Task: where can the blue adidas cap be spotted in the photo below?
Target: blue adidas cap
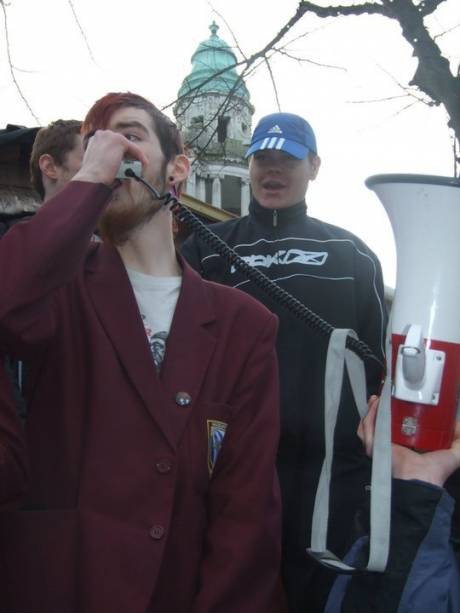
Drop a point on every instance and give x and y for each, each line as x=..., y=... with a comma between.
x=284, y=132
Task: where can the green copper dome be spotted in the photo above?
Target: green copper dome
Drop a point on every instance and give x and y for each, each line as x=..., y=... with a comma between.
x=213, y=69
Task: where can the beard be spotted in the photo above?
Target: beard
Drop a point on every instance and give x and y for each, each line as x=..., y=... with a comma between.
x=130, y=207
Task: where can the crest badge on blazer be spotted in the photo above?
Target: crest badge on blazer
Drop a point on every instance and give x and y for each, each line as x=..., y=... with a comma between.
x=216, y=434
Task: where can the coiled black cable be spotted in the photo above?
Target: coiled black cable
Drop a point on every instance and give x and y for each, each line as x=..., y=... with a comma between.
x=272, y=289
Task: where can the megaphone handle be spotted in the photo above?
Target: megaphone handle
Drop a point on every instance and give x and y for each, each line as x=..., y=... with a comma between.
x=337, y=357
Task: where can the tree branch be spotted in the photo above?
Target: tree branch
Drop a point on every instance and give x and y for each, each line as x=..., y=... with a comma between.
x=433, y=75
x=235, y=40
x=10, y=64
x=428, y=6
x=305, y=60
x=247, y=62
x=272, y=78
x=369, y=8
x=82, y=32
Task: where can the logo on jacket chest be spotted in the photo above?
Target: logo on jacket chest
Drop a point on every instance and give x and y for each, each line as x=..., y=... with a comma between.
x=285, y=257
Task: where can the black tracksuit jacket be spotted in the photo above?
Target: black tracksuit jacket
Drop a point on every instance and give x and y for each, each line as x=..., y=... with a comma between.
x=335, y=274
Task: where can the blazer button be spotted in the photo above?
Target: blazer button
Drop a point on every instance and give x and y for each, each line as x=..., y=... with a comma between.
x=183, y=399
x=163, y=466
x=157, y=532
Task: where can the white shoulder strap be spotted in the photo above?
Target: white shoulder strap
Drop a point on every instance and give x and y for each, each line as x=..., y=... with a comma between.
x=338, y=357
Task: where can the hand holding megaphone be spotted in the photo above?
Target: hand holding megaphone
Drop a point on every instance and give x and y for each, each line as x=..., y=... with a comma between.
x=104, y=154
x=431, y=467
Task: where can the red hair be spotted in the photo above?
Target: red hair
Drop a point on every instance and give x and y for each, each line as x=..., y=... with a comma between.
x=100, y=113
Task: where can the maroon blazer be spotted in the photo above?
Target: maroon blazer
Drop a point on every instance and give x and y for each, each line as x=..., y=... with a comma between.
x=13, y=461
x=124, y=514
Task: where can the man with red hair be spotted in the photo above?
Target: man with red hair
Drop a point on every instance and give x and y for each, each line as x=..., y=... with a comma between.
x=153, y=399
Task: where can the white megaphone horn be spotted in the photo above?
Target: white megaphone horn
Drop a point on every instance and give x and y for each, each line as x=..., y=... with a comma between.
x=424, y=328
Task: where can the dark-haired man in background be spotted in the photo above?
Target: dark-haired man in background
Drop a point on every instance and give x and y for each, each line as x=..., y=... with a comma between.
x=56, y=156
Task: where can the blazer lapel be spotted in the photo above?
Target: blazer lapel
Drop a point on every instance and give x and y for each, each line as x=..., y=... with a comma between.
x=189, y=346
x=114, y=301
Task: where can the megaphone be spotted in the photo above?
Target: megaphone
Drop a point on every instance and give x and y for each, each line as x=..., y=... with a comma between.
x=424, y=326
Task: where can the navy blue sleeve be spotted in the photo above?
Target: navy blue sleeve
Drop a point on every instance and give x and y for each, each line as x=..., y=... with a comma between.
x=423, y=571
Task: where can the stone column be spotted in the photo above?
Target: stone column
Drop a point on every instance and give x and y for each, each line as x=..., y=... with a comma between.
x=216, y=193
x=200, y=189
x=191, y=184
x=245, y=197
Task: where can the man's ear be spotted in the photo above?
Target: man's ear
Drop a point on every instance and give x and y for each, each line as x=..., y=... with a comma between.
x=315, y=163
x=48, y=166
x=178, y=169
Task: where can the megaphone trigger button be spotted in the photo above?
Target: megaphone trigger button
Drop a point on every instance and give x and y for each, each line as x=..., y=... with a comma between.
x=410, y=351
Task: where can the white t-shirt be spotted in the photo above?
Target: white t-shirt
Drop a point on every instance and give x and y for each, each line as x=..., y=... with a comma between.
x=156, y=298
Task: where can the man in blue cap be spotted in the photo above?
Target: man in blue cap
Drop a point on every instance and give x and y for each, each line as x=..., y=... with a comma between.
x=336, y=275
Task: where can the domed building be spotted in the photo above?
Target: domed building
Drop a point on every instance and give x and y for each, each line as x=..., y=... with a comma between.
x=214, y=113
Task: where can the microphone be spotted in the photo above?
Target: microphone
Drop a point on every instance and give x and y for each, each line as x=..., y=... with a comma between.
x=129, y=169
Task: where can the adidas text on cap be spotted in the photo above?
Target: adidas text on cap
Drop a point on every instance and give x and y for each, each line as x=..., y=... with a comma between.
x=284, y=132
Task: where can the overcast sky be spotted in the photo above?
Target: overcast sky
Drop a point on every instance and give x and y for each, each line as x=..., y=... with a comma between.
x=349, y=89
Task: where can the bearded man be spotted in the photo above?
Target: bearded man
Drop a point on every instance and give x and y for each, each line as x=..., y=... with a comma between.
x=153, y=399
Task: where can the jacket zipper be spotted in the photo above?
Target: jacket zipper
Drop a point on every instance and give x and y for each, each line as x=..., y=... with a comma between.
x=275, y=218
